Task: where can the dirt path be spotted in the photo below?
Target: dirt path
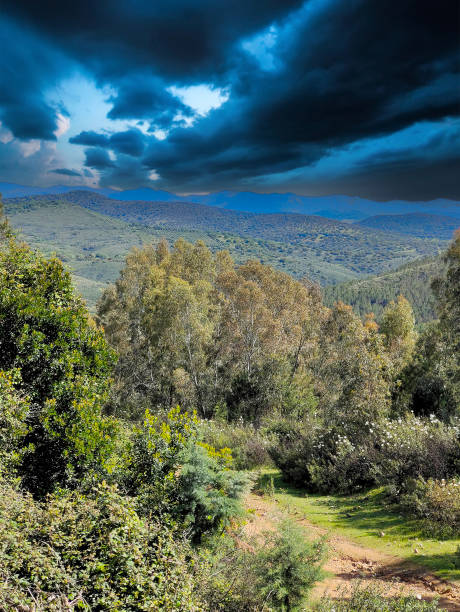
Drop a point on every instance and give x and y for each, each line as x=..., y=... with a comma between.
x=349, y=563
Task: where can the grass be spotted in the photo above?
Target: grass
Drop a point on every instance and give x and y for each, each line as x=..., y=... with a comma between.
x=362, y=518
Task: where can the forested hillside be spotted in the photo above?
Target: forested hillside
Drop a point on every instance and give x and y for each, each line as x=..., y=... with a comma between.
x=92, y=234
x=127, y=443
x=415, y=224
x=373, y=294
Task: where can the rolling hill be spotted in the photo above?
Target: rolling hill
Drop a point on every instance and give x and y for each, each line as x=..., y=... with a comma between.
x=372, y=294
x=93, y=233
x=414, y=224
x=334, y=207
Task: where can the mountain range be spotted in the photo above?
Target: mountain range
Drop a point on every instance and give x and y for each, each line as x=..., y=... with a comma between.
x=92, y=232
x=335, y=207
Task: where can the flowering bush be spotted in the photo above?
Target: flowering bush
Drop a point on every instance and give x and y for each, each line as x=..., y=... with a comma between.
x=438, y=503
x=321, y=458
x=391, y=452
x=412, y=447
x=171, y=472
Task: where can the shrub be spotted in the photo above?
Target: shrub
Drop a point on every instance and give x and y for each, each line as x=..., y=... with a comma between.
x=437, y=502
x=93, y=551
x=412, y=448
x=322, y=459
x=393, y=452
x=172, y=473
x=371, y=599
x=248, y=446
x=273, y=572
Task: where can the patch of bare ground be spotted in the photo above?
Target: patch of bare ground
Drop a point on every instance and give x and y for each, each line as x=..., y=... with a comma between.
x=349, y=564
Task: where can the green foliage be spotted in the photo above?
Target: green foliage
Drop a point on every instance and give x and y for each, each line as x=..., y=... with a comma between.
x=173, y=474
x=393, y=452
x=373, y=294
x=428, y=382
x=63, y=366
x=398, y=329
x=247, y=444
x=351, y=373
x=371, y=599
x=195, y=329
x=13, y=428
x=412, y=447
x=320, y=458
x=89, y=552
x=290, y=566
x=273, y=572
x=437, y=502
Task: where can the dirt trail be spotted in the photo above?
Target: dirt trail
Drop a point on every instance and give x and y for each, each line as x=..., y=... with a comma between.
x=349, y=563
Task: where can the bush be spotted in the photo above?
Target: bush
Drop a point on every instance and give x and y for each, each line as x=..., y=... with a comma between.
x=93, y=552
x=371, y=599
x=322, y=459
x=393, y=452
x=412, y=448
x=273, y=572
x=247, y=444
x=437, y=502
x=172, y=473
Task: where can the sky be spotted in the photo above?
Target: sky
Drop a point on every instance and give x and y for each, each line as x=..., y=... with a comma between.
x=315, y=97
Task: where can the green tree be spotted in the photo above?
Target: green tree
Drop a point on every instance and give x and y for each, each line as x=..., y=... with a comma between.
x=63, y=366
x=431, y=383
x=398, y=329
x=160, y=318
x=173, y=474
x=350, y=373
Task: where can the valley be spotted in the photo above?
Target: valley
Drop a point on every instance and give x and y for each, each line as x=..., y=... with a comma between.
x=92, y=234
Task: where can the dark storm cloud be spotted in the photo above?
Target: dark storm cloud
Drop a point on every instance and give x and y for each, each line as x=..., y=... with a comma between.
x=98, y=159
x=65, y=172
x=145, y=97
x=348, y=68
x=341, y=72
x=130, y=142
x=177, y=39
x=90, y=139
x=28, y=65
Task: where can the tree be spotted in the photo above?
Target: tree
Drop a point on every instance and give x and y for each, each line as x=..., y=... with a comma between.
x=399, y=337
x=62, y=366
x=350, y=373
x=431, y=383
x=160, y=317
x=447, y=291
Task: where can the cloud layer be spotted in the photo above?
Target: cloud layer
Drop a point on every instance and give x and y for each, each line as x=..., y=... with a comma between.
x=320, y=97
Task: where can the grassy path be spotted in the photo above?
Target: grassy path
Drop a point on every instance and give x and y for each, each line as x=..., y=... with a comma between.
x=368, y=543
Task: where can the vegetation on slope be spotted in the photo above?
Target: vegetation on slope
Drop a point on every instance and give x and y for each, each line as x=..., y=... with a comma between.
x=414, y=224
x=113, y=495
x=92, y=234
x=373, y=294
